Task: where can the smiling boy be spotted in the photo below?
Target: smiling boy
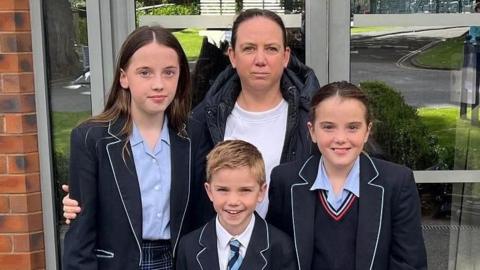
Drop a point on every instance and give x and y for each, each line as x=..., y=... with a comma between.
x=237, y=238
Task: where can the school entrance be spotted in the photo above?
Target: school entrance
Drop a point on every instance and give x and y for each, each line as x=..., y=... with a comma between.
x=419, y=57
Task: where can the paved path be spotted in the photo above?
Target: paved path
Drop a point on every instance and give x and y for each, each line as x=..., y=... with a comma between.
x=386, y=56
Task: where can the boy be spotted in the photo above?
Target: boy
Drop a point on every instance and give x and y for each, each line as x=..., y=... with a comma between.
x=237, y=238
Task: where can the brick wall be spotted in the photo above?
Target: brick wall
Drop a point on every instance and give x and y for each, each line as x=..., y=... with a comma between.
x=21, y=228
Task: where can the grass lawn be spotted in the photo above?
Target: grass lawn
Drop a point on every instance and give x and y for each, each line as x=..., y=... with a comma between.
x=62, y=124
x=359, y=30
x=191, y=42
x=456, y=133
x=447, y=54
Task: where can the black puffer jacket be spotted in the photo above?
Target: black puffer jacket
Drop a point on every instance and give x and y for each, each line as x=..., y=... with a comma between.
x=297, y=86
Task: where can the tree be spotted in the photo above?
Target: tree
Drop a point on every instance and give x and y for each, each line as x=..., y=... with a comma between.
x=62, y=59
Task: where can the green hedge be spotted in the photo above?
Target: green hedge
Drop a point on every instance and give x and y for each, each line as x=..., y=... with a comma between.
x=191, y=9
x=399, y=131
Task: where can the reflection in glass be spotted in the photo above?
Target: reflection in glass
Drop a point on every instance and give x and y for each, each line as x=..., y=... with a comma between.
x=423, y=86
x=411, y=6
x=68, y=83
x=451, y=224
x=422, y=74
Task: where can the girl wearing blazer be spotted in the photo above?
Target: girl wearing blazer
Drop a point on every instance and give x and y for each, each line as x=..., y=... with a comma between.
x=344, y=209
x=130, y=165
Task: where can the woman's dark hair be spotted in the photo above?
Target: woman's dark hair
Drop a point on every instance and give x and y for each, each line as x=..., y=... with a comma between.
x=341, y=89
x=252, y=13
x=119, y=99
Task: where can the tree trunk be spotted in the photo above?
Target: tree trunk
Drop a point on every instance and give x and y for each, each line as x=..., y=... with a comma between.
x=63, y=62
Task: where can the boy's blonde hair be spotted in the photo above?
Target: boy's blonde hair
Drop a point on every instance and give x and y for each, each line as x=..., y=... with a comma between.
x=232, y=154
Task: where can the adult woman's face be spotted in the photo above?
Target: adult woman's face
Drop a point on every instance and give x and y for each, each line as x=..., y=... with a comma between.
x=259, y=55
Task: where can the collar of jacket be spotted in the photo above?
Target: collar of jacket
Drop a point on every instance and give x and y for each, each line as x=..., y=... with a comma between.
x=115, y=128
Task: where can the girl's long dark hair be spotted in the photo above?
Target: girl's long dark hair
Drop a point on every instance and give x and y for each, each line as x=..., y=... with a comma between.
x=119, y=99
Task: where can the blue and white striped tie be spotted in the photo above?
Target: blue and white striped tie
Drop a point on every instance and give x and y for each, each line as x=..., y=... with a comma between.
x=234, y=260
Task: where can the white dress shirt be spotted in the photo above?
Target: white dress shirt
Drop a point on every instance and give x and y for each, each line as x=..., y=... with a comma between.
x=223, y=241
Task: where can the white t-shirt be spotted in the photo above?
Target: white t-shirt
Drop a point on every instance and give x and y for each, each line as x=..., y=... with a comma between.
x=266, y=130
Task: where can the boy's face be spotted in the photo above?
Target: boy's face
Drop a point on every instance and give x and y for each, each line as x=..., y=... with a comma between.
x=234, y=194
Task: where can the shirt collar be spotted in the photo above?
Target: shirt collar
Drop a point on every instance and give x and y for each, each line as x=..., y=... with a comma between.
x=352, y=183
x=224, y=237
x=137, y=138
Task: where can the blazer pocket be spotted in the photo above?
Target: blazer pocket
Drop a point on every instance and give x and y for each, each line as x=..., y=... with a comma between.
x=101, y=253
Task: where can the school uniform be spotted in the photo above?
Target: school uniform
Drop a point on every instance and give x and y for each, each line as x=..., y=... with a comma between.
x=382, y=229
x=108, y=233
x=268, y=249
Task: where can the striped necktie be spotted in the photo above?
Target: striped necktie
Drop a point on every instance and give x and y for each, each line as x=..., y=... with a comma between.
x=234, y=260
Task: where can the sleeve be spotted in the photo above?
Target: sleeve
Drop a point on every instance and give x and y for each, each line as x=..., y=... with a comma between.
x=181, y=260
x=80, y=239
x=276, y=205
x=408, y=247
x=201, y=207
x=289, y=257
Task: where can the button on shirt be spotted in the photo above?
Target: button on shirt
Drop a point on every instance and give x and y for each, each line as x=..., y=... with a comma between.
x=352, y=184
x=223, y=241
x=154, y=177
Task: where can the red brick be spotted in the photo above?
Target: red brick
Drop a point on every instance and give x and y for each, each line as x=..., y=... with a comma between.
x=27, y=163
x=20, y=123
x=13, y=123
x=16, y=62
x=33, y=182
x=14, y=5
x=3, y=164
x=20, y=223
x=18, y=144
x=15, y=261
x=13, y=223
x=38, y=260
x=19, y=183
x=4, y=204
x=28, y=242
x=2, y=124
x=15, y=42
x=11, y=21
x=17, y=103
x=18, y=83
x=25, y=203
x=5, y=243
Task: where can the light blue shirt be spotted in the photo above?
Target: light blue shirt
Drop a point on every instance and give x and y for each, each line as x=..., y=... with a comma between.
x=154, y=176
x=352, y=184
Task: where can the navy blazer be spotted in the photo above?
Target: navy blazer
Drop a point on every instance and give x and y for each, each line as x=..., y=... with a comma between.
x=389, y=233
x=268, y=249
x=107, y=234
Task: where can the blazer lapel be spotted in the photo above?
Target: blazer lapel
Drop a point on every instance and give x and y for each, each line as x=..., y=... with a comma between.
x=207, y=257
x=303, y=211
x=370, y=214
x=180, y=184
x=258, y=245
x=126, y=179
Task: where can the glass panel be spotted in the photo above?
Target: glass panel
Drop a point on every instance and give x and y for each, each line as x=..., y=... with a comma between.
x=68, y=83
x=206, y=47
x=424, y=91
x=424, y=88
x=411, y=6
x=451, y=225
